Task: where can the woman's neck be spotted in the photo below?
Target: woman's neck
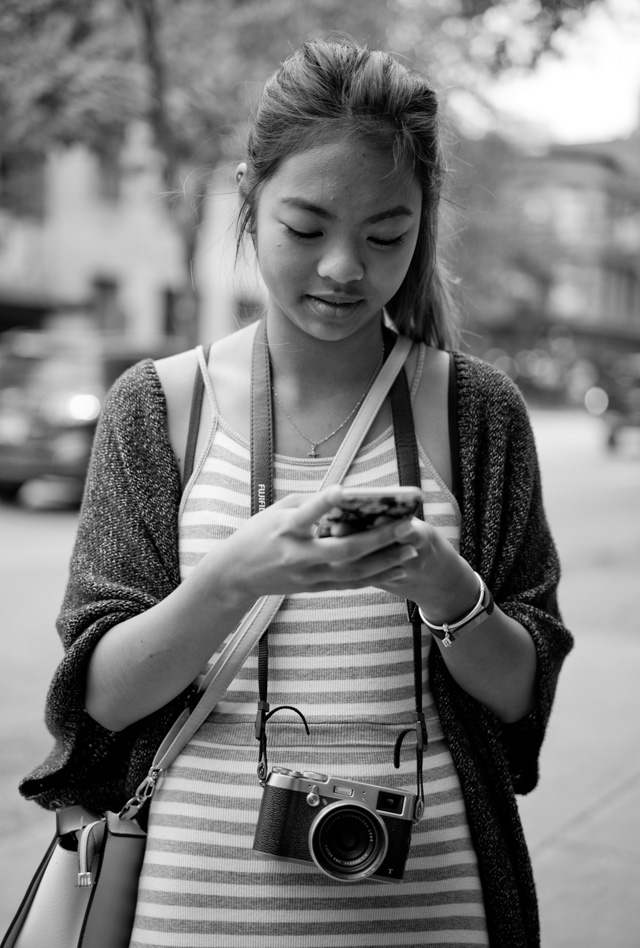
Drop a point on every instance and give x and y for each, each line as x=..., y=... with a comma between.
x=309, y=369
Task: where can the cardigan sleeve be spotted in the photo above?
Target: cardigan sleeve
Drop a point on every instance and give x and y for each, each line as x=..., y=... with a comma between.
x=124, y=561
x=506, y=538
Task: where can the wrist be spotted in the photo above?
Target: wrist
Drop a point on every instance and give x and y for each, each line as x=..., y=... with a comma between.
x=450, y=599
x=219, y=589
x=449, y=631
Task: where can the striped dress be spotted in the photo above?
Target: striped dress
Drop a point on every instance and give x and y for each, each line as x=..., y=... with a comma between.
x=345, y=660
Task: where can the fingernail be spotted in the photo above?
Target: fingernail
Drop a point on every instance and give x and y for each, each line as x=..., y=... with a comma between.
x=403, y=529
x=408, y=553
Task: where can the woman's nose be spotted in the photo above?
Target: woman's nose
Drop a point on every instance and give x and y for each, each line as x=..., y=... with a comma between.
x=341, y=263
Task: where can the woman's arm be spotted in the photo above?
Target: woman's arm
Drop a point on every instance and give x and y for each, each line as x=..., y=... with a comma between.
x=136, y=637
x=494, y=662
x=509, y=662
x=124, y=585
x=143, y=663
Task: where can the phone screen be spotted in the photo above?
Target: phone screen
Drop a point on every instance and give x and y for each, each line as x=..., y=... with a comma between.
x=361, y=509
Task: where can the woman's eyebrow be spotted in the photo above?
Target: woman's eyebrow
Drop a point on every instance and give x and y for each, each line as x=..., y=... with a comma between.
x=400, y=210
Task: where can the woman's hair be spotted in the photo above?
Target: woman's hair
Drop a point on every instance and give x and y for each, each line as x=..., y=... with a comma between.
x=328, y=90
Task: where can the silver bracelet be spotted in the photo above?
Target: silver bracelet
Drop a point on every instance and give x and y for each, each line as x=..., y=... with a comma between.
x=480, y=611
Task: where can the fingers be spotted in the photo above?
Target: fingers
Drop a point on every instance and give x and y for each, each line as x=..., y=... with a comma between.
x=298, y=560
x=378, y=567
x=309, y=509
x=306, y=510
x=354, y=546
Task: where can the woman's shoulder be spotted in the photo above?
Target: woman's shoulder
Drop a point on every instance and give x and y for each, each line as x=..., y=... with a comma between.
x=228, y=366
x=491, y=411
x=132, y=428
x=176, y=372
x=482, y=387
x=136, y=391
x=175, y=376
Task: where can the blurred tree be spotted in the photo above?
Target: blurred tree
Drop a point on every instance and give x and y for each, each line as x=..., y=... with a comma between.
x=80, y=71
x=500, y=275
x=461, y=39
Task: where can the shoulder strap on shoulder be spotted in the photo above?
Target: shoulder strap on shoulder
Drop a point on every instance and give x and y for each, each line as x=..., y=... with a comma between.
x=454, y=438
x=194, y=420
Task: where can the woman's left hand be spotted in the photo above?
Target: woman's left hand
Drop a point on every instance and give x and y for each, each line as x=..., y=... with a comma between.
x=497, y=663
x=438, y=579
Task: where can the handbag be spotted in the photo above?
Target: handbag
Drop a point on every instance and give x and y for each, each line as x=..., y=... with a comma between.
x=84, y=892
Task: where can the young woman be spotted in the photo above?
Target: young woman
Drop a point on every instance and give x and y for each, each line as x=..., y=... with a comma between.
x=340, y=190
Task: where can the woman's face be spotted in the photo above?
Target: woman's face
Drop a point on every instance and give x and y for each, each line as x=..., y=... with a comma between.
x=336, y=228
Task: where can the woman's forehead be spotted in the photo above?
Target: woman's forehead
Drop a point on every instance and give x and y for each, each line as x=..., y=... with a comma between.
x=330, y=176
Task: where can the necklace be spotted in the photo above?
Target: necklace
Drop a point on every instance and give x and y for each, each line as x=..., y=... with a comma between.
x=315, y=444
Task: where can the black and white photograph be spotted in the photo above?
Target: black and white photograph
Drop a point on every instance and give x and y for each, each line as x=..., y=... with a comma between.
x=320, y=473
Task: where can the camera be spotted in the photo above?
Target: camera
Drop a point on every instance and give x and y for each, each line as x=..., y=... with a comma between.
x=351, y=831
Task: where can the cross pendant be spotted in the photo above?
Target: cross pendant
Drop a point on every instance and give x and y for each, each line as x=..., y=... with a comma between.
x=313, y=453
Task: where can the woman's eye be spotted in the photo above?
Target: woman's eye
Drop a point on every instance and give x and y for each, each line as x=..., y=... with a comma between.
x=389, y=242
x=300, y=234
x=311, y=235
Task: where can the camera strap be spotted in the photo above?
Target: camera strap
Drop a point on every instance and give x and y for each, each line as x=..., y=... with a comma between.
x=262, y=495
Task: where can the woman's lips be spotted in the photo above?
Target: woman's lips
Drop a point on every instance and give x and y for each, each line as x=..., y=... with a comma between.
x=333, y=306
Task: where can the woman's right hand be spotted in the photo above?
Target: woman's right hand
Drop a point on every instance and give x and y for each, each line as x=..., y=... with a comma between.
x=277, y=551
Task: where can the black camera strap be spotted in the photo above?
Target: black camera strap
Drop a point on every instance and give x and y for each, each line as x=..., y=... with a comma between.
x=262, y=496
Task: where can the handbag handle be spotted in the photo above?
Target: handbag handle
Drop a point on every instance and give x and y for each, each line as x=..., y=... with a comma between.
x=214, y=684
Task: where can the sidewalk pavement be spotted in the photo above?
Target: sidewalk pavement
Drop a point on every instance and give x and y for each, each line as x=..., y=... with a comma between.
x=582, y=822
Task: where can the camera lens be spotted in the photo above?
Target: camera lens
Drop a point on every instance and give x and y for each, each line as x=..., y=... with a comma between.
x=348, y=842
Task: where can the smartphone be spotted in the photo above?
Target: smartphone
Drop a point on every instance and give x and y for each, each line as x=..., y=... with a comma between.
x=364, y=507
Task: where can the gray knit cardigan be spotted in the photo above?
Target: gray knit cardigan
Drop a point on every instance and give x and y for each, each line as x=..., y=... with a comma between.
x=125, y=560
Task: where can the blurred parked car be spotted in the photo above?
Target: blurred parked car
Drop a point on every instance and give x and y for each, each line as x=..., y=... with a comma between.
x=52, y=388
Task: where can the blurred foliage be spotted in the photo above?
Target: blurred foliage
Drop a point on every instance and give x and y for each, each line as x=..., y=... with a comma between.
x=506, y=268
x=80, y=71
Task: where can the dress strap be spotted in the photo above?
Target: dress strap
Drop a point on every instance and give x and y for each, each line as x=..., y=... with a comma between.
x=202, y=353
x=201, y=383
x=417, y=375
x=452, y=413
x=454, y=435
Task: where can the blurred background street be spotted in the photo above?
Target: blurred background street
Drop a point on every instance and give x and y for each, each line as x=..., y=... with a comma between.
x=581, y=822
x=122, y=124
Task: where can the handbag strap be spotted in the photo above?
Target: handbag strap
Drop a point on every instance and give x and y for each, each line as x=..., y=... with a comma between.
x=228, y=662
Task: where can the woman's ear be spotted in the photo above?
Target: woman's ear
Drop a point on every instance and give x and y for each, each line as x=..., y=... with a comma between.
x=240, y=177
x=246, y=207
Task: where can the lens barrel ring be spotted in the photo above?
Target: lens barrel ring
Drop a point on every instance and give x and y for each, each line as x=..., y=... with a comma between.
x=348, y=816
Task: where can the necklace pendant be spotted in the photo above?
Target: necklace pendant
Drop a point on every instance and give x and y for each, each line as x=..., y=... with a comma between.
x=313, y=453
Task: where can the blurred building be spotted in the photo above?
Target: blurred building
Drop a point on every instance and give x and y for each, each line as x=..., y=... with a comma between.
x=90, y=242
x=551, y=261
x=581, y=210
x=550, y=249
x=230, y=288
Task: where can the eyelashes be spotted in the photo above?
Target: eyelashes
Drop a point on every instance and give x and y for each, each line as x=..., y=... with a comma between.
x=377, y=241
x=298, y=234
x=393, y=242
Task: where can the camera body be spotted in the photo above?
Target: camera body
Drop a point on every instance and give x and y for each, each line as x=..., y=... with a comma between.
x=351, y=831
